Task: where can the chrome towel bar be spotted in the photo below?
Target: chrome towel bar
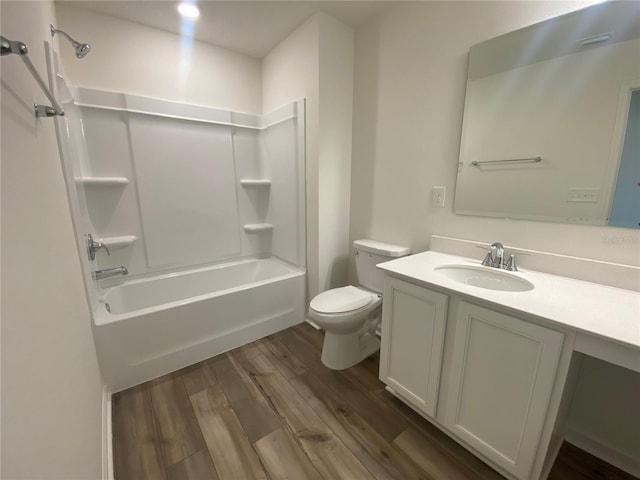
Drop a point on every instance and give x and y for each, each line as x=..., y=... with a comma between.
x=19, y=48
x=513, y=160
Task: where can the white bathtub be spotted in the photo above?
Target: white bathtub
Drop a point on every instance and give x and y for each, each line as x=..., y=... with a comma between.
x=163, y=323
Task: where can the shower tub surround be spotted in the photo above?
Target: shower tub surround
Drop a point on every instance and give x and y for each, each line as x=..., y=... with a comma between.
x=205, y=208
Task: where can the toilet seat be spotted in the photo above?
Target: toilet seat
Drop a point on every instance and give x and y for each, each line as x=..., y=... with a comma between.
x=350, y=306
x=341, y=300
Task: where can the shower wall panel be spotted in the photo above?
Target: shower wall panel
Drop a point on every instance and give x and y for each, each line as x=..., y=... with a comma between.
x=187, y=189
x=253, y=203
x=169, y=186
x=281, y=152
x=113, y=211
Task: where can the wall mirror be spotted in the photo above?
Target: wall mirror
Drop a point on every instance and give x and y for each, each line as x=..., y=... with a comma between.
x=551, y=127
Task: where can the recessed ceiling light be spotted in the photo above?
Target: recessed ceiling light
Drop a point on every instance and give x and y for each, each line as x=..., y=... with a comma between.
x=188, y=10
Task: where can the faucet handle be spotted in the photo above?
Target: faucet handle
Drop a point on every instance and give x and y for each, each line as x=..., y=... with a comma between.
x=511, y=264
x=104, y=245
x=92, y=246
x=488, y=259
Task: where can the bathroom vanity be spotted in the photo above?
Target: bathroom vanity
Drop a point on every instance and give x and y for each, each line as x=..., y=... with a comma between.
x=492, y=357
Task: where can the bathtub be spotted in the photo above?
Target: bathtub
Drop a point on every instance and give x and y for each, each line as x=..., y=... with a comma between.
x=148, y=327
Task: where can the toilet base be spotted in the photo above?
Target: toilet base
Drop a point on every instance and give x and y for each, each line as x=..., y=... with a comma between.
x=344, y=351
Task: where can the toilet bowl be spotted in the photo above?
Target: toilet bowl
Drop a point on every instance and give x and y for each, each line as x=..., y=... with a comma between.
x=349, y=315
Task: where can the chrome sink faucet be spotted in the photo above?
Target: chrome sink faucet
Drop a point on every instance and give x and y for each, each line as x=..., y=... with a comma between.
x=498, y=259
x=495, y=258
x=495, y=255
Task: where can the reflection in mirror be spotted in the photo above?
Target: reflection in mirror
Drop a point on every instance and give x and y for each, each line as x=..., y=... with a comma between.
x=625, y=209
x=550, y=131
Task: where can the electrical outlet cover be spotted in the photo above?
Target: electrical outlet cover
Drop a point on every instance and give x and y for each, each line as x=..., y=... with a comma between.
x=438, y=196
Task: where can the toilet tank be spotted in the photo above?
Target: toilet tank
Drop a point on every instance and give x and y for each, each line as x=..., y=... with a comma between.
x=368, y=254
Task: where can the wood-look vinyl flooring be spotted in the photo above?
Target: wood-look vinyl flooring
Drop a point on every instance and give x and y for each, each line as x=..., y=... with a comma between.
x=271, y=410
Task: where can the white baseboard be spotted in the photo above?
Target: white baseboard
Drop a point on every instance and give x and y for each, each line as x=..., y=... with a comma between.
x=605, y=452
x=312, y=323
x=107, y=433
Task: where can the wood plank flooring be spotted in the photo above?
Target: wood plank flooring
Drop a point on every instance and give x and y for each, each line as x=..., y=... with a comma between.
x=271, y=410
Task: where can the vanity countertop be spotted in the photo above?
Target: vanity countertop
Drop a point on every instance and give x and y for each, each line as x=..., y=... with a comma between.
x=607, y=312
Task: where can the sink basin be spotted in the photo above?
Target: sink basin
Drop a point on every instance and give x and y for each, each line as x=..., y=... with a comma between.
x=485, y=277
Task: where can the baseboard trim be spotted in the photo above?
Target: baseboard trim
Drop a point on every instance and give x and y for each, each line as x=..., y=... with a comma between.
x=107, y=435
x=603, y=451
x=312, y=323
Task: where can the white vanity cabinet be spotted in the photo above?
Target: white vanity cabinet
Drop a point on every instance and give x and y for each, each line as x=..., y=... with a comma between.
x=489, y=384
x=501, y=380
x=514, y=374
x=413, y=325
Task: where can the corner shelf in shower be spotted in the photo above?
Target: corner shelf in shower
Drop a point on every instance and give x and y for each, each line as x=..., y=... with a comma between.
x=103, y=181
x=118, y=242
x=258, y=227
x=255, y=182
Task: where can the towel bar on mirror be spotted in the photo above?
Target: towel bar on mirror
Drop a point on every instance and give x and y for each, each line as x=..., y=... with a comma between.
x=513, y=160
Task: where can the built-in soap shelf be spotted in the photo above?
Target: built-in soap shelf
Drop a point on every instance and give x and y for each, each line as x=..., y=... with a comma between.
x=255, y=182
x=103, y=181
x=258, y=227
x=260, y=183
x=117, y=242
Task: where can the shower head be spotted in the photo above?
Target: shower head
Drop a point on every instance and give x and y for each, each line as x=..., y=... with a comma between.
x=82, y=49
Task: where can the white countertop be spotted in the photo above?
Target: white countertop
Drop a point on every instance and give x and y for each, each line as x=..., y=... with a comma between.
x=607, y=312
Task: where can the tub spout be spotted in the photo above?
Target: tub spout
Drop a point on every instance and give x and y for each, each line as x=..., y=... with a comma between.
x=110, y=272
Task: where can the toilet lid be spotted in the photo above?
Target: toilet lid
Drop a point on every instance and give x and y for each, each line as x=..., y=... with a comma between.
x=339, y=300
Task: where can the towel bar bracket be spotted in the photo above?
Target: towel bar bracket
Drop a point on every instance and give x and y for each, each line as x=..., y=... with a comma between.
x=45, y=111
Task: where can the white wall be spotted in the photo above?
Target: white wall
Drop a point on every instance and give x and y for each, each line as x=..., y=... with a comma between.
x=131, y=58
x=51, y=386
x=334, y=144
x=315, y=62
x=410, y=78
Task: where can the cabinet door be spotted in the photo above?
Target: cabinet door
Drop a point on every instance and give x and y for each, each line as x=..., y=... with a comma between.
x=413, y=324
x=502, y=376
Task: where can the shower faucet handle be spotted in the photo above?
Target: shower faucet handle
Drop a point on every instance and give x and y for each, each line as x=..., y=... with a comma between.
x=92, y=246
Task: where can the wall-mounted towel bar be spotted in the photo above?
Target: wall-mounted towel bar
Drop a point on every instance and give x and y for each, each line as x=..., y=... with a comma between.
x=512, y=160
x=21, y=50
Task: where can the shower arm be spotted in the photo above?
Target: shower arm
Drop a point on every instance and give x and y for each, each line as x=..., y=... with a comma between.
x=20, y=49
x=54, y=30
x=82, y=49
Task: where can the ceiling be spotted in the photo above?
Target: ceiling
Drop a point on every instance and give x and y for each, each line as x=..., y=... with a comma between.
x=250, y=27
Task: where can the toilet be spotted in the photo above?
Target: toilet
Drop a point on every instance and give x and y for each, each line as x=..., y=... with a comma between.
x=350, y=315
